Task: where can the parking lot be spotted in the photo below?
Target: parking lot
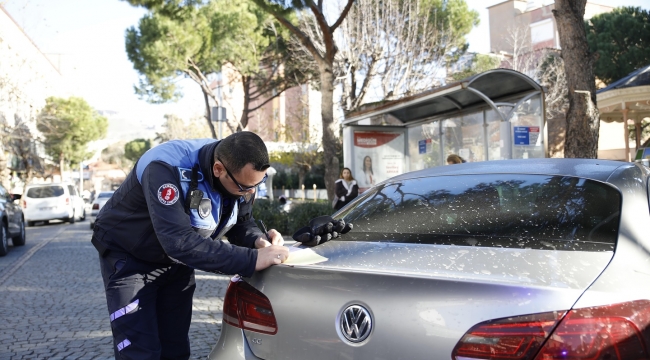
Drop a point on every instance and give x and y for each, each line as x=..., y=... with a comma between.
x=53, y=304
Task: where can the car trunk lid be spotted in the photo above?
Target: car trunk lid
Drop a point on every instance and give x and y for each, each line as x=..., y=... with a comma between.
x=420, y=297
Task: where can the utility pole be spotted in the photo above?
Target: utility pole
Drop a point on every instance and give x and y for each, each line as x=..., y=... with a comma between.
x=81, y=177
x=61, y=165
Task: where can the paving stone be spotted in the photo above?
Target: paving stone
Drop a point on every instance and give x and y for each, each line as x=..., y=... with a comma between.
x=62, y=312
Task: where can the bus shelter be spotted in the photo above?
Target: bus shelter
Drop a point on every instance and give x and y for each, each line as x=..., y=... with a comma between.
x=498, y=114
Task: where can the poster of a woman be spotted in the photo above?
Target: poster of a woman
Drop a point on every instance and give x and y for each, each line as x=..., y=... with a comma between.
x=367, y=179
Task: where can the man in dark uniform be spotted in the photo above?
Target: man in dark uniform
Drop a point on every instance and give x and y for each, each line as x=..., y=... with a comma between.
x=167, y=219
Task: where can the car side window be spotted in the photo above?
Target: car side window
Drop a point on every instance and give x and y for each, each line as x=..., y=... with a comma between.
x=72, y=190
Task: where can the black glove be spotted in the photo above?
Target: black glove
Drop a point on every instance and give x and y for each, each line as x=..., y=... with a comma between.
x=320, y=230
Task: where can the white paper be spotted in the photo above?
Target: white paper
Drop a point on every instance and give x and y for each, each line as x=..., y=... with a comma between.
x=304, y=256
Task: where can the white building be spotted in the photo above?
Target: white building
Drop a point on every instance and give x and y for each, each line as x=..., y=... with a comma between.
x=27, y=78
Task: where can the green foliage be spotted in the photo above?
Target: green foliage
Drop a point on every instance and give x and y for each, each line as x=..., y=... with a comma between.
x=455, y=15
x=163, y=48
x=304, y=162
x=114, y=154
x=287, y=223
x=246, y=35
x=285, y=180
x=622, y=39
x=480, y=63
x=301, y=213
x=272, y=214
x=176, y=39
x=289, y=180
x=68, y=125
x=135, y=148
x=287, y=158
x=315, y=176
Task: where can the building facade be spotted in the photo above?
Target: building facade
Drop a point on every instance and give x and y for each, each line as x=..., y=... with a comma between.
x=288, y=121
x=27, y=78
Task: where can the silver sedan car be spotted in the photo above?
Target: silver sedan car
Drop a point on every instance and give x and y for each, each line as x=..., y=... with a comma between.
x=516, y=259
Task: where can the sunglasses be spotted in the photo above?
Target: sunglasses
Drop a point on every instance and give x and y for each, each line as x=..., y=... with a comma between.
x=242, y=188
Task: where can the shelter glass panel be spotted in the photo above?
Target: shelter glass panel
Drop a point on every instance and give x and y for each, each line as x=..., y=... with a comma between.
x=527, y=126
x=452, y=136
x=473, y=146
x=493, y=125
x=424, y=146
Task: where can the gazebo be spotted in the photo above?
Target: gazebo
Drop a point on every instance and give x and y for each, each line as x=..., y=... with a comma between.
x=627, y=101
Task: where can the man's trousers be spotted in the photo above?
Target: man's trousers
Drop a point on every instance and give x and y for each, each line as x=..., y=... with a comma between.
x=150, y=307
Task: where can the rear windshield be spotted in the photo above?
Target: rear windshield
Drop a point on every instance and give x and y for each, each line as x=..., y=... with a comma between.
x=45, y=192
x=104, y=195
x=523, y=211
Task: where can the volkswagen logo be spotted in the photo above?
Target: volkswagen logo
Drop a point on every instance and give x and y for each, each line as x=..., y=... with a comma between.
x=355, y=323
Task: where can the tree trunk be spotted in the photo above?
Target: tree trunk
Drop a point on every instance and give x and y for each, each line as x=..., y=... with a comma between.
x=4, y=171
x=208, y=115
x=302, y=173
x=329, y=139
x=246, y=82
x=582, y=118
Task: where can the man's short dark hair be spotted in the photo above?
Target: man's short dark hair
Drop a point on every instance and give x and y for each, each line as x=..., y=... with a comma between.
x=241, y=148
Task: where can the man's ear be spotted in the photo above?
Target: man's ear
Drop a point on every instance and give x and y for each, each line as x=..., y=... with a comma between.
x=217, y=168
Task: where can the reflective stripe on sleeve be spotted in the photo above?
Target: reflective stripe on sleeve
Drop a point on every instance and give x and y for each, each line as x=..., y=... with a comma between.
x=123, y=344
x=125, y=310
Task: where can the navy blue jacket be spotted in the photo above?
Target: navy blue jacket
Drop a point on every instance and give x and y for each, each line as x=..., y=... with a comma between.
x=146, y=216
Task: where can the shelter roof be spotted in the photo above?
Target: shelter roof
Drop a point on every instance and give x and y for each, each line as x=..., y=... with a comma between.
x=493, y=86
x=639, y=77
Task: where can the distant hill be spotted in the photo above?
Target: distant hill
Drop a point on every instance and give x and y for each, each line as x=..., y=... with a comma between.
x=122, y=127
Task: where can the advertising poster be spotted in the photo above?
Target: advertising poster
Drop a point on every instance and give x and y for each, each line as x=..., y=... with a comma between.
x=378, y=156
x=526, y=135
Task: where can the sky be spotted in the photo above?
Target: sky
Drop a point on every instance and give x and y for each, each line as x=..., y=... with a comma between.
x=86, y=37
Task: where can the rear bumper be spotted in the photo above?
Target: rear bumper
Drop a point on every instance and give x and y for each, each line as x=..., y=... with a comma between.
x=232, y=345
x=52, y=214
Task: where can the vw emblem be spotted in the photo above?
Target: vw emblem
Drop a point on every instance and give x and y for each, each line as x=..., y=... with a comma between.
x=356, y=323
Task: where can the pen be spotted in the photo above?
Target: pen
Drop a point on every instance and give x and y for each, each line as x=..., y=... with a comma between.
x=266, y=233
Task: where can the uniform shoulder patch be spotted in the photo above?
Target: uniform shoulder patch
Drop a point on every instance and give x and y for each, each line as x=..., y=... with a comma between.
x=168, y=194
x=185, y=174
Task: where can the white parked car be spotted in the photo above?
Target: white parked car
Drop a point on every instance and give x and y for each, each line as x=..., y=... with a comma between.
x=98, y=203
x=56, y=201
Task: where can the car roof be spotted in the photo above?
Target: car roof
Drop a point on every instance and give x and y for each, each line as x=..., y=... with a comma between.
x=594, y=169
x=49, y=184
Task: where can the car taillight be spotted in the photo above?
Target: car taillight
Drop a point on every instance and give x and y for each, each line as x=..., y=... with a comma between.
x=613, y=332
x=67, y=201
x=247, y=308
x=515, y=338
x=95, y=206
x=24, y=204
